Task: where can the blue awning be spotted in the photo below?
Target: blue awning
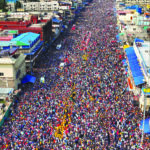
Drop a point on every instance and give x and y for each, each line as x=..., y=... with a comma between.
x=135, y=66
x=35, y=49
x=146, y=126
x=124, y=62
x=138, y=40
x=55, y=20
x=10, y=51
x=28, y=78
x=85, y=3
x=64, y=3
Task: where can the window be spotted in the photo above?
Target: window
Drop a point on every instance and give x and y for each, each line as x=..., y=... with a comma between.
x=1, y=74
x=134, y=29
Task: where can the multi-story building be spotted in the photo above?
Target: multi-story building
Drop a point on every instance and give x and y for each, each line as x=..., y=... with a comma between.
x=41, y=6
x=137, y=1
x=12, y=71
x=44, y=27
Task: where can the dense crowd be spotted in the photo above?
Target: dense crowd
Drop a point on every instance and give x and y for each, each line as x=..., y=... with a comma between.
x=85, y=104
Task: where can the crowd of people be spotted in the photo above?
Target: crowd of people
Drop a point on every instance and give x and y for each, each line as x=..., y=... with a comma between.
x=85, y=104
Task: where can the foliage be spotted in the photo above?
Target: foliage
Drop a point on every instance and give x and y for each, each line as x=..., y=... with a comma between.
x=17, y=5
x=3, y=5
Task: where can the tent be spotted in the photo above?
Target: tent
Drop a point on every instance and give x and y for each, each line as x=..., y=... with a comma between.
x=42, y=80
x=145, y=27
x=138, y=40
x=58, y=46
x=135, y=67
x=55, y=20
x=146, y=126
x=28, y=78
x=122, y=33
x=62, y=64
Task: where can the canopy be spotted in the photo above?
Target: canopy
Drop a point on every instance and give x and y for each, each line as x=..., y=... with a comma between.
x=55, y=20
x=132, y=7
x=134, y=66
x=62, y=64
x=6, y=91
x=42, y=80
x=146, y=126
x=138, y=40
x=28, y=78
x=58, y=46
x=145, y=27
x=36, y=48
x=126, y=46
x=122, y=33
x=124, y=62
x=9, y=51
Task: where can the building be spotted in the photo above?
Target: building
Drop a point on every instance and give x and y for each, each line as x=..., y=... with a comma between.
x=41, y=6
x=132, y=25
x=28, y=44
x=142, y=50
x=43, y=27
x=12, y=71
x=145, y=97
x=138, y=58
x=137, y=1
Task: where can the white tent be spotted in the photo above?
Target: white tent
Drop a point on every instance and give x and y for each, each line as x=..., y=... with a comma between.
x=42, y=80
x=58, y=46
x=62, y=64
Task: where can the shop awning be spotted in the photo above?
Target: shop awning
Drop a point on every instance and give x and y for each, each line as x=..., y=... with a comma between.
x=124, y=62
x=55, y=20
x=146, y=126
x=6, y=91
x=138, y=40
x=135, y=66
x=28, y=78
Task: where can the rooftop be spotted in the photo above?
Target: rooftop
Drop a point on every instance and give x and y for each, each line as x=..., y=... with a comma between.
x=6, y=91
x=7, y=60
x=145, y=52
x=26, y=38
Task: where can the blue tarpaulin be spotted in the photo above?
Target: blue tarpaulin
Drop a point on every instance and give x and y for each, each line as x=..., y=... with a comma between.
x=37, y=47
x=9, y=51
x=135, y=66
x=124, y=62
x=64, y=3
x=132, y=7
x=28, y=78
x=146, y=126
x=138, y=40
x=55, y=20
x=122, y=4
x=85, y=3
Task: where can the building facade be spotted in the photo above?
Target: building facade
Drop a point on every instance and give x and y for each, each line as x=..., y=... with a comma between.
x=12, y=71
x=41, y=6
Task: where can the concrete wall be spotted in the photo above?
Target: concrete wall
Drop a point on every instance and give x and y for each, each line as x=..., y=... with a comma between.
x=10, y=71
x=7, y=69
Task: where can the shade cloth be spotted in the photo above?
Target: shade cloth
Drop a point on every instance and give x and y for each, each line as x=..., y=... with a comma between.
x=28, y=78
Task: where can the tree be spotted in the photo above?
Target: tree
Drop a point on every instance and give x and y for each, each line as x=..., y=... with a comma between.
x=17, y=5
x=3, y=5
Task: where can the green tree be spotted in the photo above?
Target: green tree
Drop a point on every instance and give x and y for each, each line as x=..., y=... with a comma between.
x=3, y=5
x=17, y=5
